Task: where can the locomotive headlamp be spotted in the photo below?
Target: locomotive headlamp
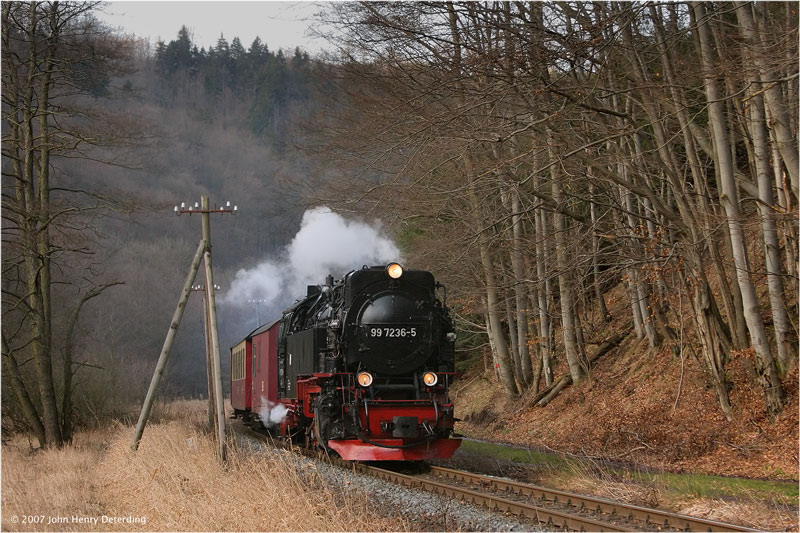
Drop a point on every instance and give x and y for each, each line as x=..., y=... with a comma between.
x=394, y=270
x=430, y=379
x=364, y=379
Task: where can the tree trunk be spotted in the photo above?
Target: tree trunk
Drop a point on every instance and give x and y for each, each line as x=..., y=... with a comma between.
x=629, y=279
x=492, y=299
x=680, y=106
x=713, y=348
x=751, y=29
x=517, y=265
x=787, y=355
x=577, y=368
x=788, y=226
x=598, y=293
x=72, y=322
x=639, y=292
x=765, y=364
x=786, y=352
x=492, y=348
x=738, y=320
x=543, y=294
x=36, y=184
x=512, y=336
x=11, y=369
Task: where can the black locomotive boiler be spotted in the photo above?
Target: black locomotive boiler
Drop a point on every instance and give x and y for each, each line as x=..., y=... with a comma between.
x=360, y=366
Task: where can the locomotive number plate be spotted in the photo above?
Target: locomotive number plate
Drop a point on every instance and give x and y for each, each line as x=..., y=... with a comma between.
x=390, y=332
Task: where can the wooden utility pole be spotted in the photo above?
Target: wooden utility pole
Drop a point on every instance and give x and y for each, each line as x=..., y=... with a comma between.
x=212, y=406
x=214, y=366
x=212, y=402
x=162, y=359
x=211, y=310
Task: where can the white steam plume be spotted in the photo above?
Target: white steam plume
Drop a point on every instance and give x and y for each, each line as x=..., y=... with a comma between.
x=271, y=414
x=326, y=243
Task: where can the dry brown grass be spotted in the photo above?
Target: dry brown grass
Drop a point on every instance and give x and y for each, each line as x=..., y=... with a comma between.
x=588, y=476
x=752, y=513
x=51, y=483
x=175, y=483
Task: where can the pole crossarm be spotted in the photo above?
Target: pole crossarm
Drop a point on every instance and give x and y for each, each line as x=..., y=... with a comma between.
x=183, y=210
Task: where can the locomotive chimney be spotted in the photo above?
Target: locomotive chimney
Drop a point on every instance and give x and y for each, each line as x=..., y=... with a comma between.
x=329, y=280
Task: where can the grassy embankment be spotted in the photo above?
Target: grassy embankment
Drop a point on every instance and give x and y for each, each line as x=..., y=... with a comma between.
x=697, y=485
x=173, y=483
x=761, y=504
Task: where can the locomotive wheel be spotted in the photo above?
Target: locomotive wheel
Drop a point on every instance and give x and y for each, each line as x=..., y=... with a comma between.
x=322, y=443
x=320, y=429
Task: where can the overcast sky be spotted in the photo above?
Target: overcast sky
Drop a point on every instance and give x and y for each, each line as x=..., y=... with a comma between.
x=279, y=24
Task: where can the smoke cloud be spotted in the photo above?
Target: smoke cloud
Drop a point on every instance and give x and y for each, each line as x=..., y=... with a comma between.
x=326, y=243
x=271, y=414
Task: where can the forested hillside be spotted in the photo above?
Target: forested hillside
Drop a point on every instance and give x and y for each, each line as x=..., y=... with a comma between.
x=133, y=130
x=255, y=90
x=538, y=155
x=581, y=176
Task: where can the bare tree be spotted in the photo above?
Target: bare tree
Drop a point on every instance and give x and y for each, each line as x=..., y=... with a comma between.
x=768, y=373
x=571, y=142
x=55, y=55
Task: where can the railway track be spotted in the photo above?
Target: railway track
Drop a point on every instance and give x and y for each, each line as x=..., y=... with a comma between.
x=552, y=508
x=626, y=516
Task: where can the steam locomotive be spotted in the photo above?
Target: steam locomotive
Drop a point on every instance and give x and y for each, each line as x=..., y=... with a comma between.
x=360, y=367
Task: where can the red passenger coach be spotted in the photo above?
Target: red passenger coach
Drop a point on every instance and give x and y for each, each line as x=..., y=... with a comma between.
x=264, y=367
x=241, y=359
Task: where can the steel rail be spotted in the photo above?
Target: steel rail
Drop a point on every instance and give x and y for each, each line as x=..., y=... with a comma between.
x=654, y=518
